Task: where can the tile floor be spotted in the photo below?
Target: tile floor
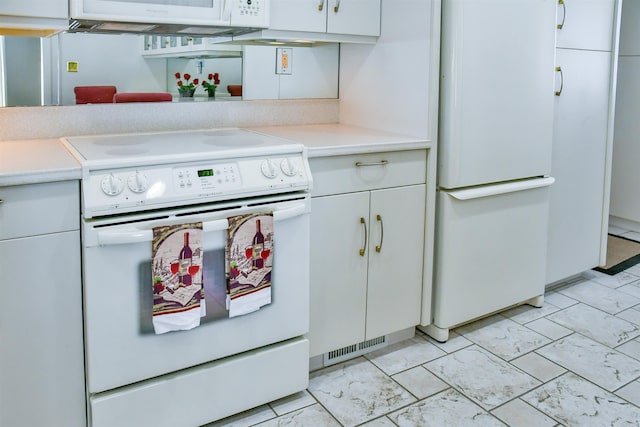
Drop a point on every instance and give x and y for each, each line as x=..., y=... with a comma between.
x=573, y=362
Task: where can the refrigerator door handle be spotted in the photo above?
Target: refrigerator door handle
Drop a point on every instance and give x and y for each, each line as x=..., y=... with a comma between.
x=494, y=190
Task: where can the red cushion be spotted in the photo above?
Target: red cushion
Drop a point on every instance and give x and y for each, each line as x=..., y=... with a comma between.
x=94, y=94
x=142, y=97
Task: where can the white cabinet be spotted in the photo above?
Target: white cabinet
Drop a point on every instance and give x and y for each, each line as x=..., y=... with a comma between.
x=585, y=24
x=355, y=17
x=42, y=379
x=367, y=247
x=187, y=46
x=581, y=160
x=34, y=15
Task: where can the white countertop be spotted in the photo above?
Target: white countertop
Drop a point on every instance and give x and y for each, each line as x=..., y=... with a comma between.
x=338, y=139
x=32, y=161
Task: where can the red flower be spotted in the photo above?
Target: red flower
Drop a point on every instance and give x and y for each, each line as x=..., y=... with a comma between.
x=186, y=85
x=195, y=81
x=177, y=75
x=215, y=80
x=187, y=76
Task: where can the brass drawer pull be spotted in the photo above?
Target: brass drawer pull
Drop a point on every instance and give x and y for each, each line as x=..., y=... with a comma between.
x=321, y=5
x=379, y=247
x=564, y=14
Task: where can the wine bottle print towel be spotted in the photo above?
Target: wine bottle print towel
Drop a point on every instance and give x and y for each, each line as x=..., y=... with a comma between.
x=249, y=255
x=178, y=296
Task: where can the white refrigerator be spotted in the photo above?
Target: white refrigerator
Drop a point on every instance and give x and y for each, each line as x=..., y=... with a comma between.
x=495, y=138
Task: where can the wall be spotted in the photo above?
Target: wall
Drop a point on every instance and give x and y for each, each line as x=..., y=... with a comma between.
x=392, y=85
x=625, y=203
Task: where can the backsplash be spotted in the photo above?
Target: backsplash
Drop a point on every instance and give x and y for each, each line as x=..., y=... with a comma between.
x=53, y=122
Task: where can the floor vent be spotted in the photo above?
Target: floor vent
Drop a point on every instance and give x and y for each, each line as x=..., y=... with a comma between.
x=354, y=350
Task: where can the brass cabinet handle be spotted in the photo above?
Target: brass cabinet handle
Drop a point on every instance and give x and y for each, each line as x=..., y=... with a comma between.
x=321, y=5
x=337, y=6
x=364, y=246
x=380, y=163
x=379, y=219
x=559, y=70
x=564, y=13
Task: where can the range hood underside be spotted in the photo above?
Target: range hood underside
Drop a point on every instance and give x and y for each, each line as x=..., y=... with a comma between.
x=114, y=27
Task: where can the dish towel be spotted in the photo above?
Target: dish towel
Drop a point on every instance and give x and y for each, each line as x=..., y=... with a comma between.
x=178, y=294
x=248, y=262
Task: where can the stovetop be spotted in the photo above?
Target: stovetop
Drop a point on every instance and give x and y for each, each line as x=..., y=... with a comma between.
x=137, y=172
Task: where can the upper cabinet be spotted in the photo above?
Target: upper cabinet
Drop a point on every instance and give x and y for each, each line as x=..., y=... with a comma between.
x=355, y=17
x=33, y=17
x=585, y=24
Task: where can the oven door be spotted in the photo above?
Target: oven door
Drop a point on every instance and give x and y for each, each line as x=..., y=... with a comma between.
x=121, y=345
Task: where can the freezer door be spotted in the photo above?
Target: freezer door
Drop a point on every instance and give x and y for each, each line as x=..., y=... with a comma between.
x=497, y=90
x=490, y=249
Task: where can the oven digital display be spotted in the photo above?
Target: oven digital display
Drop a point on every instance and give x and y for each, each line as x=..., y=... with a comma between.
x=205, y=172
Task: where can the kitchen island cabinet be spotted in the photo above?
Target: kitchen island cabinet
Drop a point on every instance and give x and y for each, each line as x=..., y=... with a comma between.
x=586, y=51
x=367, y=247
x=42, y=379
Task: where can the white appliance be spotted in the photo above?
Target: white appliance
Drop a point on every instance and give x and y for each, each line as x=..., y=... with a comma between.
x=195, y=17
x=132, y=183
x=496, y=122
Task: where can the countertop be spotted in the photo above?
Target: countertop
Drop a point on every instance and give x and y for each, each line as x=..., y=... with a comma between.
x=338, y=139
x=32, y=161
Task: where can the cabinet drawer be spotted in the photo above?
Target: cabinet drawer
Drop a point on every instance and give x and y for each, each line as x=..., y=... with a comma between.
x=29, y=210
x=586, y=24
x=360, y=172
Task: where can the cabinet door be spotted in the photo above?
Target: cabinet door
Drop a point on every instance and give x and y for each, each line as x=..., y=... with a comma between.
x=395, y=269
x=338, y=271
x=299, y=15
x=42, y=375
x=578, y=165
x=629, y=28
x=586, y=24
x=358, y=17
x=58, y=9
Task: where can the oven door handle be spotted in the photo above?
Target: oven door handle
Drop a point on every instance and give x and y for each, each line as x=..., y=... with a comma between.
x=106, y=237
x=289, y=212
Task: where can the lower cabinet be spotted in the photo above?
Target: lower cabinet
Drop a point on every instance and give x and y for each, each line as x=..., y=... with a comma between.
x=41, y=344
x=367, y=257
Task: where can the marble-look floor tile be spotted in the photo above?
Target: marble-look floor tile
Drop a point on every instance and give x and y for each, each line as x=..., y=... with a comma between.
x=356, y=391
x=314, y=415
x=631, y=235
x=503, y=337
x=246, y=418
x=520, y=414
x=631, y=289
x=614, y=281
x=454, y=343
x=596, y=324
x=630, y=315
x=599, y=296
x=484, y=378
x=379, y=422
x=549, y=329
x=538, y=367
x=404, y=355
x=631, y=348
x=448, y=408
x=576, y=402
x=559, y=300
x=635, y=270
x=617, y=231
x=527, y=313
x=420, y=382
x=292, y=403
x=604, y=366
x=631, y=392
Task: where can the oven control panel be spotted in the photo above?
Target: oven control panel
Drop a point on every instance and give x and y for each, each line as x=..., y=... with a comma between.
x=158, y=186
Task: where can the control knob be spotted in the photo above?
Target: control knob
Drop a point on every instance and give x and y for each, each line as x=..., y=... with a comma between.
x=138, y=182
x=112, y=185
x=288, y=167
x=269, y=169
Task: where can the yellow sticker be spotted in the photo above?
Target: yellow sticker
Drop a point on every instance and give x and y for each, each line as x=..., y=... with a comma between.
x=72, y=67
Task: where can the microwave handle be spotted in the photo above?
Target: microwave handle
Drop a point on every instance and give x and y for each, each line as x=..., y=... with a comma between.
x=226, y=10
x=106, y=237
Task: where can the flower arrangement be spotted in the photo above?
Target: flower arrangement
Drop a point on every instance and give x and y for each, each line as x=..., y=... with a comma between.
x=212, y=83
x=187, y=86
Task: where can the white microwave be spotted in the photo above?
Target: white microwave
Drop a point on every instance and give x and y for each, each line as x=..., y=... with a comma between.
x=189, y=15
